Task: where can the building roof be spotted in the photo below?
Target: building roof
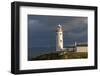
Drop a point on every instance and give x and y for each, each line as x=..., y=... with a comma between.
x=82, y=44
x=70, y=46
x=79, y=44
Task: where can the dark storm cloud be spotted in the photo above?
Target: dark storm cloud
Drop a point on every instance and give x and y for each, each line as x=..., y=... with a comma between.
x=42, y=30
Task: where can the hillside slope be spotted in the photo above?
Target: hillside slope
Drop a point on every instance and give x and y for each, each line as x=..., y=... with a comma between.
x=62, y=55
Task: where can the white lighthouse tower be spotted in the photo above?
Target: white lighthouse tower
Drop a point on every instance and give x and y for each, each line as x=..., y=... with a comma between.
x=59, y=38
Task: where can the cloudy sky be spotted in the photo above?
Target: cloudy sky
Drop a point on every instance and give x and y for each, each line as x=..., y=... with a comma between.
x=42, y=30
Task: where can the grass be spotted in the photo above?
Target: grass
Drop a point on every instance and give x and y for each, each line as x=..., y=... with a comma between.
x=62, y=55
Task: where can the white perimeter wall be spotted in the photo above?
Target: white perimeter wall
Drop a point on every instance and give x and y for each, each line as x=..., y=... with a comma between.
x=82, y=49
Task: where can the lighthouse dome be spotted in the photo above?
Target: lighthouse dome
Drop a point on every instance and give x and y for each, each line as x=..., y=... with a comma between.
x=59, y=28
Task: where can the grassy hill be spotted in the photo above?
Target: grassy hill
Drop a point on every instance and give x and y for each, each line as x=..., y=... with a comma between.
x=62, y=55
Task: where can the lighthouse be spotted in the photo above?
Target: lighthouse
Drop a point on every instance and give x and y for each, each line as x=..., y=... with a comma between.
x=59, y=38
